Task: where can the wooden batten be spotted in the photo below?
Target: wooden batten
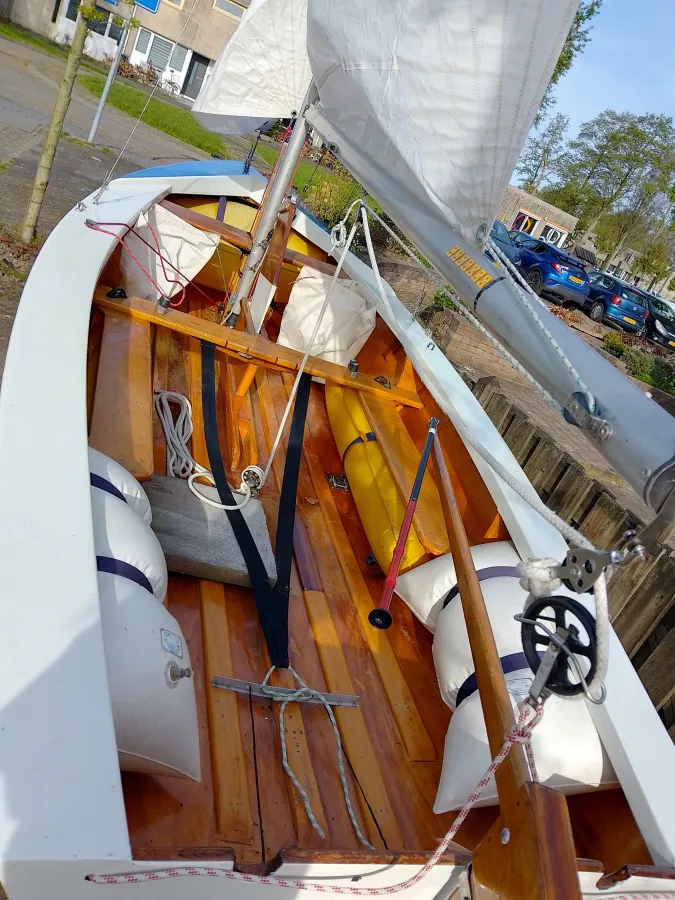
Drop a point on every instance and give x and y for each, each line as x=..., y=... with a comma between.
x=121, y=418
x=233, y=810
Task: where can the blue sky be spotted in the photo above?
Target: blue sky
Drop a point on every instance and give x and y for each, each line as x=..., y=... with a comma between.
x=629, y=64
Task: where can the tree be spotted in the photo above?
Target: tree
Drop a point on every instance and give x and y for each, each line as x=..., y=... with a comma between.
x=617, y=230
x=617, y=159
x=542, y=152
x=64, y=93
x=654, y=261
x=579, y=35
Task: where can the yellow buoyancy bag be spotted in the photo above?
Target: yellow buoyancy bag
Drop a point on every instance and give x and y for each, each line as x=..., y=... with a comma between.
x=377, y=499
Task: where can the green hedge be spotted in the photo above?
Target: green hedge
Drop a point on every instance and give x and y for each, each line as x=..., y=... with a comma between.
x=650, y=369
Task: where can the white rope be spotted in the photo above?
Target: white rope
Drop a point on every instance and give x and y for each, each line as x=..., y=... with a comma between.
x=535, y=578
x=179, y=461
x=339, y=233
x=541, y=576
x=521, y=290
x=304, y=693
x=373, y=262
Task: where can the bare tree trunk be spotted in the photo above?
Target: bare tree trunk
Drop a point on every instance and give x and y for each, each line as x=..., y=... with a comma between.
x=53, y=134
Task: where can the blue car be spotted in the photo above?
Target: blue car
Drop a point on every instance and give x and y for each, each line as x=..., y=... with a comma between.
x=549, y=270
x=502, y=239
x=614, y=301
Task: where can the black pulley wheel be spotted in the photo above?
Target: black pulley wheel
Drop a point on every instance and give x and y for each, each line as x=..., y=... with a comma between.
x=565, y=612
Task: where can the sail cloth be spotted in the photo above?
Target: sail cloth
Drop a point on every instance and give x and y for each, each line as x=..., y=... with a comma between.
x=262, y=74
x=439, y=93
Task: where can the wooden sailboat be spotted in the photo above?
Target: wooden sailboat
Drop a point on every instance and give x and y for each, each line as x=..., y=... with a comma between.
x=244, y=812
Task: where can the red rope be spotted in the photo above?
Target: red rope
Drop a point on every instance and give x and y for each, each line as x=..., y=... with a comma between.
x=157, y=250
x=521, y=734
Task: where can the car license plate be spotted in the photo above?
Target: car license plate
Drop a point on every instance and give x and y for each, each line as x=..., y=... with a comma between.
x=627, y=319
x=576, y=280
x=671, y=343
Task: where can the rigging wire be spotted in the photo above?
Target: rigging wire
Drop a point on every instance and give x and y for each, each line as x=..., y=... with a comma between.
x=108, y=177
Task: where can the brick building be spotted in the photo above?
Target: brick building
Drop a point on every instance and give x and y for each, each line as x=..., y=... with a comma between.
x=528, y=213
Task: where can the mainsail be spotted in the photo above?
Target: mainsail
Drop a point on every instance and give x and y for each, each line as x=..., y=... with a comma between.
x=439, y=94
x=428, y=104
x=263, y=72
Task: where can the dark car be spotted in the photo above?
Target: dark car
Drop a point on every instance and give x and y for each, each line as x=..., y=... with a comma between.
x=502, y=239
x=549, y=270
x=617, y=303
x=660, y=323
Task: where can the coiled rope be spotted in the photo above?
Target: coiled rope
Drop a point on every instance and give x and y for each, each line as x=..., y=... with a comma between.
x=179, y=461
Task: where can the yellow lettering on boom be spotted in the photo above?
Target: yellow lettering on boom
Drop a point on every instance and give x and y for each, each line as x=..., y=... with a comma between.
x=469, y=267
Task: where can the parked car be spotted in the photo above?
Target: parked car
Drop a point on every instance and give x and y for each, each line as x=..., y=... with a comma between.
x=660, y=323
x=617, y=303
x=502, y=239
x=549, y=270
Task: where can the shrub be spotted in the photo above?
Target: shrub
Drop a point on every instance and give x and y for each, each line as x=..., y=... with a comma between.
x=662, y=375
x=328, y=197
x=614, y=344
x=638, y=364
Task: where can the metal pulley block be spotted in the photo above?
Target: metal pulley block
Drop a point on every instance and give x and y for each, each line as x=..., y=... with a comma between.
x=558, y=634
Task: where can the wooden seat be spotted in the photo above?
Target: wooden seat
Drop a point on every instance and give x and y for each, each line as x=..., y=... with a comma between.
x=121, y=420
x=403, y=460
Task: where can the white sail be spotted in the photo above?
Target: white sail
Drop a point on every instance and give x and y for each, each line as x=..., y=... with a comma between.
x=262, y=73
x=439, y=93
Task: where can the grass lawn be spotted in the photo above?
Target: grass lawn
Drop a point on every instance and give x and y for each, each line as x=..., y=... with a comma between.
x=13, y=32
x=166, y=117
x=303, y=172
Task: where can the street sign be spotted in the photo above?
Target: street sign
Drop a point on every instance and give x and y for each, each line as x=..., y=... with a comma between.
x=151, y=5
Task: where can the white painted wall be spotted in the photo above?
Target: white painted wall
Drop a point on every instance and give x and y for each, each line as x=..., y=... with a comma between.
x=141, y=59
x=96, y=45
x=34, y=15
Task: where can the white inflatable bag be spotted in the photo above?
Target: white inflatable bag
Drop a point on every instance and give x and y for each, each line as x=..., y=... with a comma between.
x=346, y=324
x=155, y=713
x=567, y=750
x=423, y=589
x=120, y=534
x=117, y=476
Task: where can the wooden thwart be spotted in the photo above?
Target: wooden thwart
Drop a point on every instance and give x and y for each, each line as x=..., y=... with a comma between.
x=121, y=420
x=238, y=343
x=243, y=240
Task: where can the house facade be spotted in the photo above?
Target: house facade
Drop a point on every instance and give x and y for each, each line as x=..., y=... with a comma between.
x=181, y=40
x=525, y=212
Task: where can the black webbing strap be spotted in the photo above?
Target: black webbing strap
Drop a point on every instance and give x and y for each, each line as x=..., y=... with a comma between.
x=283, y=552
x=273, y=618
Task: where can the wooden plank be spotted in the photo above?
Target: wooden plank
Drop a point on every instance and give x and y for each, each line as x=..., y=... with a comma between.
x=658, y=673
x=160, y=382
x=403, y=460
x=418, y=743
x=520, y=435
x=352, y=724
x=243, y=240
x=498, y=408
x=121, y=421
x=300, y=761
x=238, y=342
x=591, y=815
x=571, y=493
x=647, y=606
x=605, y=522
x=230, y=782
x=545, y=464
x=627, y=579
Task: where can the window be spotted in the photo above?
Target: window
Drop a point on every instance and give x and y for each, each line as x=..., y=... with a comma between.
x=633, y=296
x=71, y=9
x=178, y=58
x=663, y=309
x=177, y=3
x=160, y=51
x=227, y=6
x=525, y=221
x=143, y=41
x=499, y=232
x=100, y=26
x=553, y=235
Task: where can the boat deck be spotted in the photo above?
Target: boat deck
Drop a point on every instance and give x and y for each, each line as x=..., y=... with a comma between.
x=393, y=742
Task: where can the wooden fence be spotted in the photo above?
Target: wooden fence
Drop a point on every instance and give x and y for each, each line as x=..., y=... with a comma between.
x=641, y=594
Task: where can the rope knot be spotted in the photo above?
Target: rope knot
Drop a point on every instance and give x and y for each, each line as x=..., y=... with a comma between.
x=538, y=578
